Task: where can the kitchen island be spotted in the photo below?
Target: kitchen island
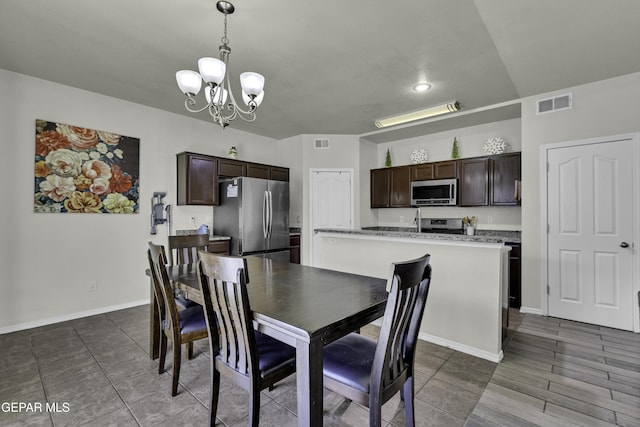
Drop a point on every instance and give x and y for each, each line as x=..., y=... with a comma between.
x=469, y=285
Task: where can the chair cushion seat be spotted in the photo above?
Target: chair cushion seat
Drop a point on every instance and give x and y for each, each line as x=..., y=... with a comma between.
x=192, y=320
x=273, y=354
x=349, y=361
x=183, y=302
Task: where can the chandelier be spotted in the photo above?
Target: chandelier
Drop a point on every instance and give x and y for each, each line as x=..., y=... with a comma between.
x=217, y=87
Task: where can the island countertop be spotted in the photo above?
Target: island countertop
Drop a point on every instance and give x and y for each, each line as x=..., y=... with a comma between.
x=481, y=236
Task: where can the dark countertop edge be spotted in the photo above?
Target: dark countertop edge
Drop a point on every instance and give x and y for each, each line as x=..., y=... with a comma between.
x=505, y=237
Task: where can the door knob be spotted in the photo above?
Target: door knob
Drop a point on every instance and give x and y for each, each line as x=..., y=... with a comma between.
x=624, y=245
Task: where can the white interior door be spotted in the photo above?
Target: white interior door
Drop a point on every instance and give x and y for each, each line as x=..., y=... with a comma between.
x=331, y=199
x=590, y=233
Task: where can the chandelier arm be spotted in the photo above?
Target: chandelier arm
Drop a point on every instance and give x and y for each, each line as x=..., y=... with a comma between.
x=189, y=102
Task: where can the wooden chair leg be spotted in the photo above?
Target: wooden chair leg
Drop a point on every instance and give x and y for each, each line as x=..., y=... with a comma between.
x=163, y=352
x=254, y=406
x=176, y=367
x=407, y=392
x=215, y=391
x=190, y=350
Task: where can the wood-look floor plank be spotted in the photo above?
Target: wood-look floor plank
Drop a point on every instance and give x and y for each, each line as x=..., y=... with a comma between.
x=574, y=417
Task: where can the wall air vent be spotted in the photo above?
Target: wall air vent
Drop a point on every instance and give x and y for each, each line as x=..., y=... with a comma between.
x=562, y=102
x=321, y=143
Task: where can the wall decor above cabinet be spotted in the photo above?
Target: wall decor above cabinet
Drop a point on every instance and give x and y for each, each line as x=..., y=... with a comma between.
x=198, y=174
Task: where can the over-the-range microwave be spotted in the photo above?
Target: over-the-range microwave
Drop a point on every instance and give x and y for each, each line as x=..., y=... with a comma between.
x=436, y=192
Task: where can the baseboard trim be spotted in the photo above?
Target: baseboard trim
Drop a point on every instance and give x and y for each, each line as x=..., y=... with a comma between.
x=492, y=357
x=78, y=315
x=530, y=310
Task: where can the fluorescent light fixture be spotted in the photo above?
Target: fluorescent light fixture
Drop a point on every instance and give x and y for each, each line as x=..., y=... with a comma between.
x=417, y=115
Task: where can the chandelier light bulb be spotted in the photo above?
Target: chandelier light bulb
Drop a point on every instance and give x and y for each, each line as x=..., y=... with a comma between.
x=212, y=70
x=252, y=83
x=189, y=82
x=216, y=96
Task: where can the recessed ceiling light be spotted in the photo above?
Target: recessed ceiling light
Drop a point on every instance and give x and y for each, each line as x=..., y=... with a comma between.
x=422, y=87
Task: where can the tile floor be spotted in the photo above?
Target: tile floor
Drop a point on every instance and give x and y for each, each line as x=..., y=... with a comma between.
x=97, y=370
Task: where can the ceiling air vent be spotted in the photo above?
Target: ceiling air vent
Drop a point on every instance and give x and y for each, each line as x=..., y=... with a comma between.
x=562, y=102
x=320, y=143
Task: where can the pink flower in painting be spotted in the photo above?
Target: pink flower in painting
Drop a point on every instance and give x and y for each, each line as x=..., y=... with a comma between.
x=80, y=138
x=109, y=138
x=57, y=187
x=100, y=186
x=96, y=169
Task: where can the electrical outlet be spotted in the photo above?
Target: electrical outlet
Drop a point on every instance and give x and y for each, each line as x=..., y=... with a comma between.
x=93, y=286
x=489, y=220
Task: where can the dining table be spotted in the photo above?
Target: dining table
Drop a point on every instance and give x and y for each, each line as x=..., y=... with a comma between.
x=305, y=307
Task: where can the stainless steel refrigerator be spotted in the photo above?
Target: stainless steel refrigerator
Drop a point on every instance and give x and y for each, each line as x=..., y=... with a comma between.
x=254, y=213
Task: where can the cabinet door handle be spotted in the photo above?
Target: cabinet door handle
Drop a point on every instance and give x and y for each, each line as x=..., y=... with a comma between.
x=624, y=245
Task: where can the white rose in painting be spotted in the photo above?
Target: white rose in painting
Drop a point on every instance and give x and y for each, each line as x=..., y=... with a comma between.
x=64, y=162
x=109, y=138
x=57, y=187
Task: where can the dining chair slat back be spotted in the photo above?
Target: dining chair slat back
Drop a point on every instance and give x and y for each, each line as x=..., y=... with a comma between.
x=370, y=372
x=183, y=249
x=252, y=360
x=179, y=326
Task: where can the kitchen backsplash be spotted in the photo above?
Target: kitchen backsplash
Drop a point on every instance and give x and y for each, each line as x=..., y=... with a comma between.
x=488, y=218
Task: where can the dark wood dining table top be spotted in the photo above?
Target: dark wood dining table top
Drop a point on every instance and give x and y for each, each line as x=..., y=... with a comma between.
x=306, y=299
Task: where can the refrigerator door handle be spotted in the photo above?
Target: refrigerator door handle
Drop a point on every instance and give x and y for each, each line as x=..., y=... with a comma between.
x=270, y=213
x=265, y=215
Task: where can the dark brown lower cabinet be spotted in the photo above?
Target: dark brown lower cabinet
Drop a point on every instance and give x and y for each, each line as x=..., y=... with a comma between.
x=515, y=276
x=221, y=247
x=294, y=251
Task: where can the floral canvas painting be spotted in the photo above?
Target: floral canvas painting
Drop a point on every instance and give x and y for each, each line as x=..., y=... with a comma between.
x=80, y=170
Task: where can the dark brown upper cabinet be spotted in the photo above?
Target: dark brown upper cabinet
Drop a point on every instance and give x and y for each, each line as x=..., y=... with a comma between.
x=198, y=176
x=437, y=170
x=391, y=187
x=490, y=181
x=197, y=179
x=505, y=180
x=473, y=186
x=379, y=188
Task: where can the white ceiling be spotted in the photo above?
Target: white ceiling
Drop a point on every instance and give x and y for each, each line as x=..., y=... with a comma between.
x=331, y=67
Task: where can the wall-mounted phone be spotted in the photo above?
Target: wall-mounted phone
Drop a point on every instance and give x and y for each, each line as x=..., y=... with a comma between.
x=160, y=214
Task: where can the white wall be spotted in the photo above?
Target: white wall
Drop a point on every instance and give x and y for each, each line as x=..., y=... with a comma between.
x=49, y=259
x=605, y=108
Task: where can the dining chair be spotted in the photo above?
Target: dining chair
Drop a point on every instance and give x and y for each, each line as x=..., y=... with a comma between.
x=370, y=372
x=179, y=326
x=250, y=359
x=183, y=249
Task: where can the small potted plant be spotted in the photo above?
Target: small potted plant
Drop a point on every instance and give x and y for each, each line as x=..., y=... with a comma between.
x=469, y=225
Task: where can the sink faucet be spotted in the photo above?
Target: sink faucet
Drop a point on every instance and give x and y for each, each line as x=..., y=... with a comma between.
x=418, y=220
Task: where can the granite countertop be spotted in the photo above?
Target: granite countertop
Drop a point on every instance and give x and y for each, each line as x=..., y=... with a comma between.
x=481, y=236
